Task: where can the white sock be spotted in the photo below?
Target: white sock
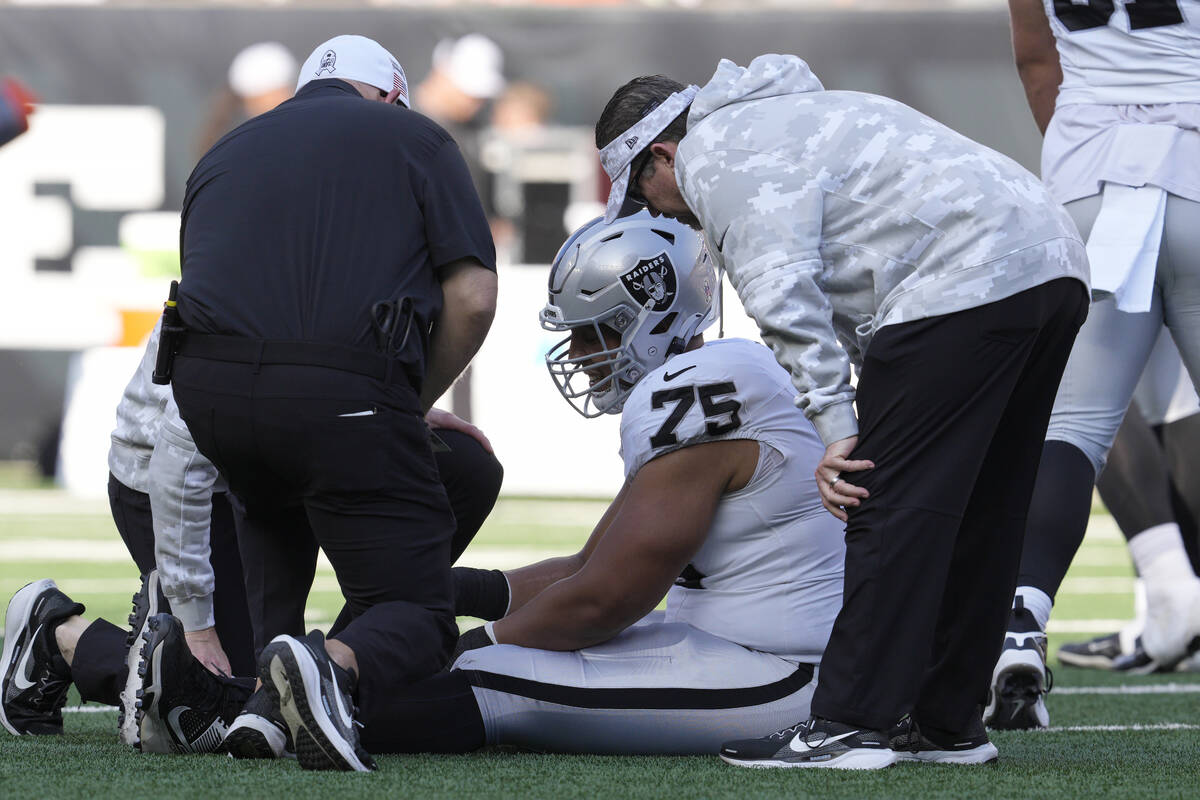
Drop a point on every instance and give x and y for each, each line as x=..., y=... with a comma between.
x=1159, y=555
x=1037, y=602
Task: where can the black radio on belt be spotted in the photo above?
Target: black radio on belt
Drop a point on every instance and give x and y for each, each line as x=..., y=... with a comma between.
x=169, y=338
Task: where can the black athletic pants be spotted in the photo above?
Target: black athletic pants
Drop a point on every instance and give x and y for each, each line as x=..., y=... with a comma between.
x=952, y=411
x=316, y=454
x=472, y=478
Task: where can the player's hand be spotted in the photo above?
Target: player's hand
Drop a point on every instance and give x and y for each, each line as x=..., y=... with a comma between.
x=437, y=418
x=836, y=494
x=206, y=647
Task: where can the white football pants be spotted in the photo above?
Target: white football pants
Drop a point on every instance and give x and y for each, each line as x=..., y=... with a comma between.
x=1113, y=346
x=656, y=688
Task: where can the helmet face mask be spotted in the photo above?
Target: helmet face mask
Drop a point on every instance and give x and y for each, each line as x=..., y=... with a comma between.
x=648, y=282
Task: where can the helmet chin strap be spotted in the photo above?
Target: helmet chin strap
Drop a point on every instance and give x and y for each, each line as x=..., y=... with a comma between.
x=676, y=347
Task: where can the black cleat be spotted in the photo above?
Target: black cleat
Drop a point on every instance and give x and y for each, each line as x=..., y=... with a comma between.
x=313, y=696
x=1099, y=653
x=814, y=743
x=971, y=746
x=145, y=606
x=1021, y=679
x=181, y=706
x=259, y=731
x=36, y=678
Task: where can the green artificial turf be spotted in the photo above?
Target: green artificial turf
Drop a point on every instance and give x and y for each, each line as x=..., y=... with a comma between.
x=78, y=546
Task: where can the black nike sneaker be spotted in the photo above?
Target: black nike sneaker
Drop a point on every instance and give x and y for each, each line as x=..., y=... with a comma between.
x=36, y=677
x=1098, y=653
x=1021, y=679
x=912, y=743
x=145, y=606
x=313, y=696
x=259, y=731
x=814, y=743
x=181, y=706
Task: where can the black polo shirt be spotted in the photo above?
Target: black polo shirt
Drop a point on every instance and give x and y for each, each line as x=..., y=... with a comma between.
x=297, y=222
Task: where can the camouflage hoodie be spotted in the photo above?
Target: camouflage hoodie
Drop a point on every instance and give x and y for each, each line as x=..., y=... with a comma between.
x=836, y=213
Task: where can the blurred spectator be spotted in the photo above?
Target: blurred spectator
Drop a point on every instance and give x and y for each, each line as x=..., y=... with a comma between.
x=261, y=77
x=16, y=104
x=518, y=119
x=522, y=108
x=466, y=74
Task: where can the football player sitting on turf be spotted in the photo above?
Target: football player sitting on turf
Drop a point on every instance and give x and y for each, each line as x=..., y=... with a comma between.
x=719, y=512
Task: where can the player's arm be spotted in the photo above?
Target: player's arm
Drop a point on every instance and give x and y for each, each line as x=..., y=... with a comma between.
x=1036, y=57
x=469, y=303
x=525, y=583
x=658, y=526
x=181, y=490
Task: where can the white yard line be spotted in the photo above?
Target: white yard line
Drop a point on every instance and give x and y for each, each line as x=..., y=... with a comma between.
x=89, y=709
x=1153, y=688
x=1155, y=726
x=1093, y=585
x=1086, y=625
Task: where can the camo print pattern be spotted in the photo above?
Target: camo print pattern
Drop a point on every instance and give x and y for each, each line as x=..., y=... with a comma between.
x=836, y=213
x=152, y=452
x=139, y=418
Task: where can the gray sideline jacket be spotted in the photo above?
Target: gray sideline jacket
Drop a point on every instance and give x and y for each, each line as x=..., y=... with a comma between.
x=836, y=213
x=152, y=452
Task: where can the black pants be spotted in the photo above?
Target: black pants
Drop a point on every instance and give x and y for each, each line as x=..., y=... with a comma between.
x=472, y=478
x=320, y=455
x=952, y=411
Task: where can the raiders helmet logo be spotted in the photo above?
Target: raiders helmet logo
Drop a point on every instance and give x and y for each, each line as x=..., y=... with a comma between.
x=327, y=62
x=652, y=281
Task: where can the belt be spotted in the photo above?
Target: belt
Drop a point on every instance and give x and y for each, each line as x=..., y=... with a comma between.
x=241, y=350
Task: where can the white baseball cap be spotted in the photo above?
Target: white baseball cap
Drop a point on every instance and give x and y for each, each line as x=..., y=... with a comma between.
x=474, y=63
x=355, y=58
x=262, y=68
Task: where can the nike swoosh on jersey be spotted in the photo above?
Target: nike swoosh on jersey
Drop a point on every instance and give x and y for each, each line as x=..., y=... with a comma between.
x=19, y=680
x=669, y=376
x=805, y=748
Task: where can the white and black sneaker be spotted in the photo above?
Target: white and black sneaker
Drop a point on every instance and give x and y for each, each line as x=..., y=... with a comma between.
x=815, y=742
x=36, y=678
x=912, y=743
x=181, y=706
x=145, y=605
x=259, y=731
x=1021, y=679
x=313, y=696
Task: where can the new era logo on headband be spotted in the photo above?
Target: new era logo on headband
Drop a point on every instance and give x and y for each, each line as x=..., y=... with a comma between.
x=631, y=141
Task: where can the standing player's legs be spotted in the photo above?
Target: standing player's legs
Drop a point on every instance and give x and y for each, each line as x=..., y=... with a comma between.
x=1107, y=361
x=932, y=396
x=656, y=688
x=1140, y=487
x=1172, y=629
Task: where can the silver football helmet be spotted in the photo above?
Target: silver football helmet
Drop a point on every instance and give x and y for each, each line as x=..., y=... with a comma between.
x=648, y=280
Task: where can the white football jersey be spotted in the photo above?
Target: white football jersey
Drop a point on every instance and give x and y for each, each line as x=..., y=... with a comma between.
x=769, y=574
x=1122, y=52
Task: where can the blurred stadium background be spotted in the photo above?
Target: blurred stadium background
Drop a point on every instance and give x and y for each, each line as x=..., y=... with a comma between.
x=131, y=93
